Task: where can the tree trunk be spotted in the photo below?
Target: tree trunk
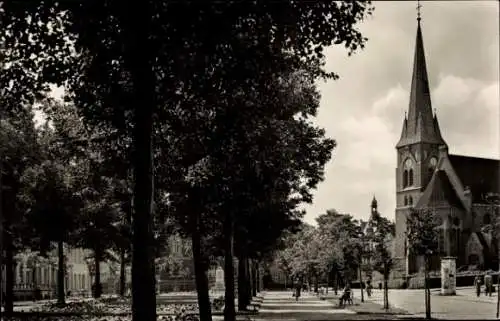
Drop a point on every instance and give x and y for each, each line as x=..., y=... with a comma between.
x=253, y=278
x=250, y=279
x=200, y=273
x=35, y=281
x=243, y=283
x=316, y=281
x=361, y=284
x=122, y=273
x=97, y=278
x=229, y=308
x=9, y=273
x=327, y=279
x=386, y=289
x=137, y=21
x=259, y=279
x=427, y=290
x=335, y=282
x=61, y=295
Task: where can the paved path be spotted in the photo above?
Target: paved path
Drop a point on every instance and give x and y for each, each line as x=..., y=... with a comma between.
x=282, y=306
x=465, y=305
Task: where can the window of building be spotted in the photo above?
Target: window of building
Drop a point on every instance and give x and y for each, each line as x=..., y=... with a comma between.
x=410, y=200
x=487, y=219
x=406, y=200
x=441, y=243
x=408, y=173
x=453, y=241
x=473, y=259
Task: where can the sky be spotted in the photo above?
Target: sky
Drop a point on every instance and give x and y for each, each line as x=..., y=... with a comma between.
x=363, y=110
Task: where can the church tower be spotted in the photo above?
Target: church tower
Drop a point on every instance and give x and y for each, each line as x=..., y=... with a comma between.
x=419, y=146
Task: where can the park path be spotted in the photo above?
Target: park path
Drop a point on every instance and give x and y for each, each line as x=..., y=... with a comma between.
x=282, y=306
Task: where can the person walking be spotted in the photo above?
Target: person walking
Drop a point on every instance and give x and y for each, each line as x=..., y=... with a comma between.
x=477, y=284
x=488, y=282
x=298, y=287
x=369, y=287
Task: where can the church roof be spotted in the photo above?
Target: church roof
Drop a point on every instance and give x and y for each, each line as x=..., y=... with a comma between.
x=421, y=125
x=481, y=175
x=482, y=240
x=439, y=192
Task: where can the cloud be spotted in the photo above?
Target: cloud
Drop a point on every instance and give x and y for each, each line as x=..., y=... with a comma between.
x=364, y=109
x=365, y=160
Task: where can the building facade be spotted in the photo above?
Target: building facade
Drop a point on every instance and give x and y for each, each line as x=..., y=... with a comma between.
x=454, y=187
x=32, y=271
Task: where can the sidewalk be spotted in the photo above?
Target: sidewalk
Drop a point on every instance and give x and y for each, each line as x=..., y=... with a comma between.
x=368, y=307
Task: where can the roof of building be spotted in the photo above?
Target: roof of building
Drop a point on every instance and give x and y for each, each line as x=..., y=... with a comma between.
x=439, y=192
x=421, y=125
x=481, y=175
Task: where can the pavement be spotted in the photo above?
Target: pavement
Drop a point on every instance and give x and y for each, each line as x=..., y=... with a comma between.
x=405, y=304
x=463, y=306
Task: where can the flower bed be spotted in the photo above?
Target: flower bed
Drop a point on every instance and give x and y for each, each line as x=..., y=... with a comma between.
x=95, y=318
x=111, y=309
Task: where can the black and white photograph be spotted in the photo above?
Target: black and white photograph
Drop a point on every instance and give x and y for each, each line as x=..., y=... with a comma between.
x=251, y=160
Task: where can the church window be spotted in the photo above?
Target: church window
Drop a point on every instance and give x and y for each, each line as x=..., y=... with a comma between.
x=453, y=241
x=487, y=219
x=441, y=243
x=408, y=173
x=473, y=259
x=432, y=163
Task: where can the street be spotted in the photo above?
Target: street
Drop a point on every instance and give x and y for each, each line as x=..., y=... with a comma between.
x=464, y=305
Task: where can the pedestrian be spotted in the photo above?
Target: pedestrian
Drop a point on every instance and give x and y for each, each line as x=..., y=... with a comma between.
x=477, y=284
x=488, y=282
x=369, y=287
x=298, y=287
x=346, y=296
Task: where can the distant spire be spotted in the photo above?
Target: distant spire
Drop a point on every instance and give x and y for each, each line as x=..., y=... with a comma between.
x=374, y=203
x=419, y=125
x=418, y=11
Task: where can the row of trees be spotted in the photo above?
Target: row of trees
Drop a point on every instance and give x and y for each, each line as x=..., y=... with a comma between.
x=57, y=189
x=340, y=247
x=195, y=115
x=343, y=247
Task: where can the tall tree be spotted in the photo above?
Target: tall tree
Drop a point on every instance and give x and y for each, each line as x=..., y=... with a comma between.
x=142, y=73
x=50, y=196
x=423, y=237
x=18, y=151
x=383, y=232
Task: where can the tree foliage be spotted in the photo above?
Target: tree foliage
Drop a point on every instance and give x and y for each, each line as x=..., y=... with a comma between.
x=148, y=80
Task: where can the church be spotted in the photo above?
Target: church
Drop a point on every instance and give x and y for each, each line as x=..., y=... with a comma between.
x=462, y=190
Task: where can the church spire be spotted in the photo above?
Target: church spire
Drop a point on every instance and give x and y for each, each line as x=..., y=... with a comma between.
x=420, y=124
